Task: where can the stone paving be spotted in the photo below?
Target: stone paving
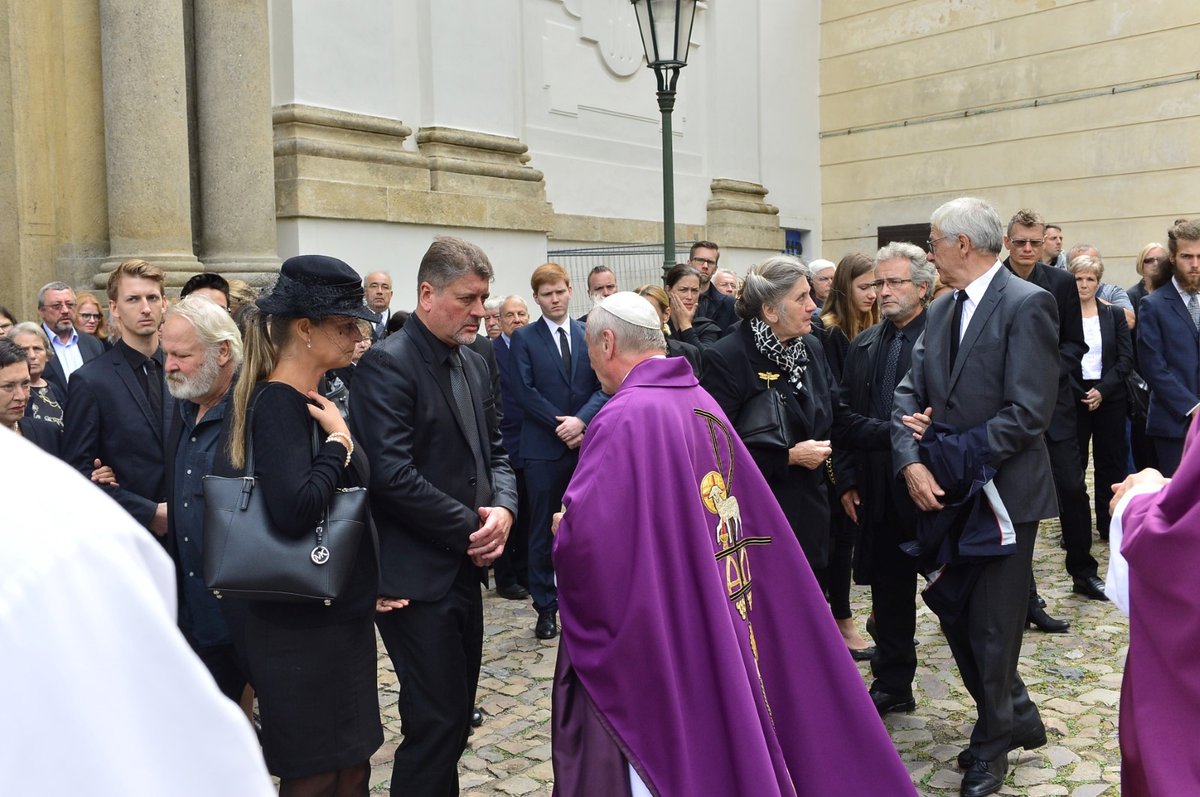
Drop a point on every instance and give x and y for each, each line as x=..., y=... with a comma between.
x=1075, y=678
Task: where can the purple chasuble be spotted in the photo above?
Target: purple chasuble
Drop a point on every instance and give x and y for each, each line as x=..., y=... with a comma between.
x=693, y=632
x=1160, y=693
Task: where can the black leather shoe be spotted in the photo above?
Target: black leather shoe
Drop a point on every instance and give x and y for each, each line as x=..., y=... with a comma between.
x=547, y=627
x=886, y=702
x=476, y=717
x=1030, y=742
x=862, y=654
x=1090, y=587
x=984, y=777
x=1037, y=617
x=514, y=592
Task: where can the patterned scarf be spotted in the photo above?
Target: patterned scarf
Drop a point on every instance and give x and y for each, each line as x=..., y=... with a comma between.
x=791, y=357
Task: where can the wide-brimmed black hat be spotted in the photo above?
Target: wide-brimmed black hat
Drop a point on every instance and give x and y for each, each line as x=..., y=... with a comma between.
x=316, y=286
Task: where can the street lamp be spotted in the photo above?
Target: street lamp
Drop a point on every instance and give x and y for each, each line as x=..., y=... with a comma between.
x=666, y=27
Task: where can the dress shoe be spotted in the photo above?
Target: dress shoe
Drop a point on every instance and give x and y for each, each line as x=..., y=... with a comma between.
x=862, y=654
x=514, y=592
x=1030, y=742
x=547, y=626
x=984, y=777
x=476, y=717
x=1037, y=617
x=886, y=702
x=1090, y=587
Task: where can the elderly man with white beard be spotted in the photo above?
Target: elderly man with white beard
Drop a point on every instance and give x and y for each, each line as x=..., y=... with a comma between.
x=203, y=350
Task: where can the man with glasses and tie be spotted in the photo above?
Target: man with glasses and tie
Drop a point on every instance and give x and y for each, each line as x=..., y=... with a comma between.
x=876, y=362
x=555, y=386
x=1168, y=345
x=443, y=498
x=72, y=348
x=714, y=305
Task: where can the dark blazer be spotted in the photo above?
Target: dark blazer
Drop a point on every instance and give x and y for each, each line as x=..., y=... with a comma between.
x=90, y=347
x=486, y=349
x=544, y=389
x=1116, y=354
x=999, y=380
x=108, y=418
x=1071, y=345
x=717, y=307
x=403, y=415
x=43, y=434
x=730, y=373
x=704, y=333
x=513, y=416
x=1168, y=350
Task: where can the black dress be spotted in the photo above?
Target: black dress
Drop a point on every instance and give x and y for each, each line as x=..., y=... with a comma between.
x=46, y=403
x=312, y=666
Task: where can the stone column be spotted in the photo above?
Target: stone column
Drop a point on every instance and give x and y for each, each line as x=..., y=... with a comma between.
x=146, y=138
x=233, y=103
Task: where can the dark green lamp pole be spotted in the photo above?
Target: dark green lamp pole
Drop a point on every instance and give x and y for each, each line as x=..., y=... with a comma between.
x=666, y=27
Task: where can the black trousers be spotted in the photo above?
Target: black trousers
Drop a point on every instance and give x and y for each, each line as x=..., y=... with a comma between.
x=986, y=643
x=1169, y=451
x=436, y=649
x=547, y=481
x=834, y=578
x=512, y=567
x=1074, y=513
x=894, y=603
x=1105, y=429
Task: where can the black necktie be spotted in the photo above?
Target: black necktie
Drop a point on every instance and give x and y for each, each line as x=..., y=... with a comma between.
x=887, y=388
x=565, y=347
x=466, y=411
x=960, y=298
x=154, y=387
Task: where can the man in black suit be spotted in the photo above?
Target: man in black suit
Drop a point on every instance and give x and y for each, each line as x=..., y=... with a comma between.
x=1024, y=242
x=72, y=348
x=443, y=497
x=512, y=568
x=377, y=289
x=871, y=495
x=981, y=365
x=714, y=305
x=118, y=405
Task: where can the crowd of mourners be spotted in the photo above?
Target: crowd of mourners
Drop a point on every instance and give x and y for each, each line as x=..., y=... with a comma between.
x=147, y=395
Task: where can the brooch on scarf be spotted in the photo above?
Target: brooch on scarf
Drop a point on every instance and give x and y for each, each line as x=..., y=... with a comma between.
x=767, y=377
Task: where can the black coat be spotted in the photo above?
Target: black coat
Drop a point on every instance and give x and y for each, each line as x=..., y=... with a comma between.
x=109, y=418
x=403, y=415
x=43, y=434
x=1116, y=355
x=730, y=373
x=89, y=347
x=717, y=307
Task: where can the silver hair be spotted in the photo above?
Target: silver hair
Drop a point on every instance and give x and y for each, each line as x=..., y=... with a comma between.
x=1078, y=249
x=767, y=283
x=629, y=337
x=30, y=328
x=212, y=323
x=973, y=218
x=494, y=303
x=52, y=286
x=1087, y=263
x=920, y=270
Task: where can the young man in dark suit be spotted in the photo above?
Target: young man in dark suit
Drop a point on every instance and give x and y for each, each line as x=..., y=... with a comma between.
x=443, y=498
x=555, y=386
x=981, y=364
x=118, y=404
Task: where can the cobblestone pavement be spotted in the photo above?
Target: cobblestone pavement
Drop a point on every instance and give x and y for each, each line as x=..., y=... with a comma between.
x=1075, y=679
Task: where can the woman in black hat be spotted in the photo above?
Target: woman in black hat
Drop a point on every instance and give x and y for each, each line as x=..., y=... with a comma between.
x=313, y=666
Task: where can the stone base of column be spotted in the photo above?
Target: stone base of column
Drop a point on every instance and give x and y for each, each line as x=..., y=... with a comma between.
x=256, y=270
x=178, y=267
x=739, y=216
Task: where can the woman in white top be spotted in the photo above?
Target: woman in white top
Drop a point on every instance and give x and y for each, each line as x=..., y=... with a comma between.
x=1100, y=386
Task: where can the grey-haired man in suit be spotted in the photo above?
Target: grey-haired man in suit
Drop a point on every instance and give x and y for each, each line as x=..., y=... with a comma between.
x=982, y=362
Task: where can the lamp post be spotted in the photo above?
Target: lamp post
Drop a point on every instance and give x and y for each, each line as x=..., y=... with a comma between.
x=666, y=27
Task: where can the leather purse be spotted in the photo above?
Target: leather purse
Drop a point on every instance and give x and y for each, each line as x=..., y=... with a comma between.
x=763, y=422
x=1137, y=393
x=246, y=556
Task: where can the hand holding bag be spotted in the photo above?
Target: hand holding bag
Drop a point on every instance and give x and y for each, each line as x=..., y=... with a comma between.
x=246, y=556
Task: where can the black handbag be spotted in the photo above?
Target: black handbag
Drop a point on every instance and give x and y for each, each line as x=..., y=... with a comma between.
x=763, y=422
x=1137, y=393
x=245, y=556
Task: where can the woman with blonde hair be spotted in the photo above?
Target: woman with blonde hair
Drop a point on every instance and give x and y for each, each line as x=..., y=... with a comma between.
x=850, y=308
x=89, y=317
x=661, y=303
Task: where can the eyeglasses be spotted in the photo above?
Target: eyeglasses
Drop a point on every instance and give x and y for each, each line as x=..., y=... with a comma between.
x=704, y=260
x=1021, y=243
x=1152, y=260
x=12, y=387
x=891, y=282
x=90, y=316
x=929, y=245
x=60, y=306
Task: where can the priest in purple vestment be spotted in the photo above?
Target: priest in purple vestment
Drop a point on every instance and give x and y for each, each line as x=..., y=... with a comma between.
x=697, y=656
x=1160, y=693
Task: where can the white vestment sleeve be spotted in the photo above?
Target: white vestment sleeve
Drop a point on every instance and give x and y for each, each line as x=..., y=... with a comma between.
x=1116, y=585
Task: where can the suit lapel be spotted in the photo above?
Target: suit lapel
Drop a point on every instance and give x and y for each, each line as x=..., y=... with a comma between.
x=552, y=347
x=439, y=375
x=578, y=348
x=979, y=319
x=1176, y=302
x=125, y=372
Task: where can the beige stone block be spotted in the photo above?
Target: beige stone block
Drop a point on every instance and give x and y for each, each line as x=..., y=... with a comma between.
x=330, y=200
x=483, y=185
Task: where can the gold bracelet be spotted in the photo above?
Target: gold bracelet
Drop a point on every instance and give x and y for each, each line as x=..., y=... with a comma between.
x=344, y=439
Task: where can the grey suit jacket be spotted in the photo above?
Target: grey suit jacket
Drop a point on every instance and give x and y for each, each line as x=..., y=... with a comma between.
x=1006, y=377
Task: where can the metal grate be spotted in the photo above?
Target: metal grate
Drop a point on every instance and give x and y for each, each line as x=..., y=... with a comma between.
x=634, y=265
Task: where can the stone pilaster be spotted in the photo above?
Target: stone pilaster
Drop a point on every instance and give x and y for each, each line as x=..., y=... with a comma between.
x=146, y=140
x=237, y=179
x=739, y=216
